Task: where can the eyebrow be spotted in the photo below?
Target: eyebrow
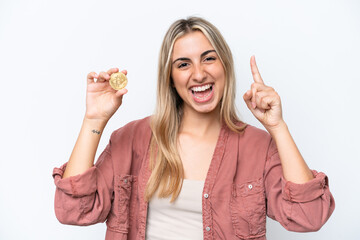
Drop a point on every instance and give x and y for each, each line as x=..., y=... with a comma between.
x=188, y=59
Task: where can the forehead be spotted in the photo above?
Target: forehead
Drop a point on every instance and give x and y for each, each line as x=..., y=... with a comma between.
x=191, y=44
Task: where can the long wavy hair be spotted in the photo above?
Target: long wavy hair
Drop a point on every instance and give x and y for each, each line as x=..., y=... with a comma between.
x=165, y=163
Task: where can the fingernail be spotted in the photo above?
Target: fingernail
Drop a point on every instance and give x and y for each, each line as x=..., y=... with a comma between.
x=253, y=105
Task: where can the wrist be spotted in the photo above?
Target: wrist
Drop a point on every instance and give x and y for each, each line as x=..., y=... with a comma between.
x=95, y=124
x=277, y=129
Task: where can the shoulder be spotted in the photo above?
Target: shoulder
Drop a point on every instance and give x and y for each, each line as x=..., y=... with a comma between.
x=133, y=127
x=256, y=133
x=252, y=132
x=255, y=138
x=133, y=130
x=128, y=146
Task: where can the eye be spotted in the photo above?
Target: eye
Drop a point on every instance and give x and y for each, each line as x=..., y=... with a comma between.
x=181, y=65
x=210, y=58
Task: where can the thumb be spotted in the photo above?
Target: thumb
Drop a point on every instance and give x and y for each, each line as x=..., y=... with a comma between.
x=249, y=104
x=121, y=92
x=255, y=111
x=247, y=95
x=248, y=99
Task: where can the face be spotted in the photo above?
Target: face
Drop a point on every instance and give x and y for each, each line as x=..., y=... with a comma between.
x=197, y=72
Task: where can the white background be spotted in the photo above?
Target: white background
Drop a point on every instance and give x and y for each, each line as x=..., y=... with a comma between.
x=307, y=50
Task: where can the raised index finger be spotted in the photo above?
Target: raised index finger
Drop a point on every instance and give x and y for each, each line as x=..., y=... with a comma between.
x=255, y=71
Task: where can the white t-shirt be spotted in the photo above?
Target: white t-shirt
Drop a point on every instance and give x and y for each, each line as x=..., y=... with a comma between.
x=181, y=219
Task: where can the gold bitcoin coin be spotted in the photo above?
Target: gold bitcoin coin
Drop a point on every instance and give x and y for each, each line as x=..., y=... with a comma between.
x=118, y=80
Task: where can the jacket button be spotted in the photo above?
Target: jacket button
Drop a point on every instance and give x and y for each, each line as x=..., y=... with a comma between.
x=125, y=180
x=206, y=195
x=207, y=228
x=250, y=186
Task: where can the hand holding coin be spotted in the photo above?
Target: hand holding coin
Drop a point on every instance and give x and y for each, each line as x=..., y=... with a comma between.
x=104, y=96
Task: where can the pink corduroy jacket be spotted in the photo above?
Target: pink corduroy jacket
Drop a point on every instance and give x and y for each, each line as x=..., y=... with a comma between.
x=244, y=184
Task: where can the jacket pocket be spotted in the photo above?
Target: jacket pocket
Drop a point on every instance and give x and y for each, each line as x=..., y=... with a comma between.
x=248, y=209
x=119, y=218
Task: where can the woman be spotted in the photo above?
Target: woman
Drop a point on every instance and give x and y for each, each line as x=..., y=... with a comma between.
x=193, y=170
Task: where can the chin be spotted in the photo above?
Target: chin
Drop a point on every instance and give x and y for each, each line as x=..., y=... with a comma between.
x=205, y=109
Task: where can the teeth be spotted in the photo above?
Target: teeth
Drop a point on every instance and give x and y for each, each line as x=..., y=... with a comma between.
x=202, y=88
x=203, y=97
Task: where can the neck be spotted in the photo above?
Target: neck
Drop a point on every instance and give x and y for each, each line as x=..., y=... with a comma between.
x=200, y=124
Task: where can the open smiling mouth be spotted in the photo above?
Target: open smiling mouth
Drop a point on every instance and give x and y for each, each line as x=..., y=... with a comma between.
x=202, y=93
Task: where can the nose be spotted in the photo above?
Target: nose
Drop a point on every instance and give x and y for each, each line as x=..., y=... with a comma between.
x=199, y=73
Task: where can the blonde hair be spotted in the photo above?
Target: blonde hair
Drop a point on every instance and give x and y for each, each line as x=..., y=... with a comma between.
x=167, y=169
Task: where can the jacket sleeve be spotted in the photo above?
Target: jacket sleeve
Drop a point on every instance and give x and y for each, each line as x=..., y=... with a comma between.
x=298, y=207
x=86, y=198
